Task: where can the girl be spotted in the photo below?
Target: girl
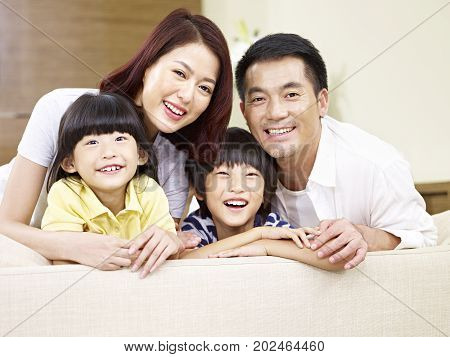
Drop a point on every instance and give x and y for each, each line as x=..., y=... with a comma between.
x=181, y=84
x=101, y=180
x=234, y=218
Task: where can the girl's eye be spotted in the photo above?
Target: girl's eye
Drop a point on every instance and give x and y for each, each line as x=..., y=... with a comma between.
x=92, y=142
x=121, y=138
x=252, y=174
x=179, y=73
x=223, y=173
x=206, y=89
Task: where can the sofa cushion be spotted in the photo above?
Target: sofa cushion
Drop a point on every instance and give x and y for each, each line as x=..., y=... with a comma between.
x=14, y=254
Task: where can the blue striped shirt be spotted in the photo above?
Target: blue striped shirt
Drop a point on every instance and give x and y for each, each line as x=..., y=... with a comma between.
x=203, y=226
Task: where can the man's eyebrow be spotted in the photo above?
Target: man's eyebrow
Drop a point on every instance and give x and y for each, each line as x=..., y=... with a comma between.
x=185, y=65
x=292, y=85
x=254, y=90
x=284, y=86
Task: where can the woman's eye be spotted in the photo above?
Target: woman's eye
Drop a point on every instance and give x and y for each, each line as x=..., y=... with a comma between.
x=206, y=89
x=121, y=138
x=179, y=73
x=92, y=142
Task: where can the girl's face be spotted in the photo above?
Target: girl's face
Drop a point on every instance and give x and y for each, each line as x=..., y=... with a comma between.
x=234, y=194
x=178, y=87
x=106, y=162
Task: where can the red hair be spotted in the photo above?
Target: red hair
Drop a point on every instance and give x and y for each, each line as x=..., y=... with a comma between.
x=180, y=27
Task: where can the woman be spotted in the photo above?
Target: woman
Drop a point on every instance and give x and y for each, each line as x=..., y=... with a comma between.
x=181, y=82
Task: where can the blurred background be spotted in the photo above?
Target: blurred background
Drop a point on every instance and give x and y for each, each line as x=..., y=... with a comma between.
x=388, y=62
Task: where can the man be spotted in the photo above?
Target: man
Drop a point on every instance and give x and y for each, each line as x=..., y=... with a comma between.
x=357, y=188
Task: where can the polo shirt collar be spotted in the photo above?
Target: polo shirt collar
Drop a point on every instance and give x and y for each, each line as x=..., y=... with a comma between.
x=98, y=209
x=324, y=169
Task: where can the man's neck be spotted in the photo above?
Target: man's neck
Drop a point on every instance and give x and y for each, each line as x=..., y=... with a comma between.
x=294, y=171
x=114, y=201
x=224, y=231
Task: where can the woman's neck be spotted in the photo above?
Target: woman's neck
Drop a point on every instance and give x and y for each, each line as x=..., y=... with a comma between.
x=152, y=130
x=224, y=231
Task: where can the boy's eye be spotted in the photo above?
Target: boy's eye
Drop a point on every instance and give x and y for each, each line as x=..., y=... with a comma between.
x=224, y=173
x=252, y=174
x=292, y=95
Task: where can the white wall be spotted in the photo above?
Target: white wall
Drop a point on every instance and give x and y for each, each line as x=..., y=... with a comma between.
x=401, y=96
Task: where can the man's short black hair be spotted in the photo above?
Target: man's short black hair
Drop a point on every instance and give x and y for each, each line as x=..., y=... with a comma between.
x=238, y=148
x=277, y=46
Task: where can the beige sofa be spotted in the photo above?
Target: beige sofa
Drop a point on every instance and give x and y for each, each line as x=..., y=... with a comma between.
x=394, y=293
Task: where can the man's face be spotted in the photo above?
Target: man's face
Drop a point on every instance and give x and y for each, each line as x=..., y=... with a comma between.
x=281, y=108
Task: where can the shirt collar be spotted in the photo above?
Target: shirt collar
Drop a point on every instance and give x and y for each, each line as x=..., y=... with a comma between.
x=96, y=208
x=324, y=169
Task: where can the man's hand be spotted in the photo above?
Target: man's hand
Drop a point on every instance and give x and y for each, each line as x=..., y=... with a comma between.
x=340, y=240
x=157, y=245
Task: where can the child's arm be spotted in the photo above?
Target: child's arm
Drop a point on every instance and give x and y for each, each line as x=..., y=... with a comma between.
x=282, y=249
x=250, y=236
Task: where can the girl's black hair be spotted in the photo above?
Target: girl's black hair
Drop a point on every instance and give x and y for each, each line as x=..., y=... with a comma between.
x=97, y=114
x=239, y=148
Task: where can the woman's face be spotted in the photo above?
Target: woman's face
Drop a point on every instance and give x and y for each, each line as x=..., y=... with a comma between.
x=178, y=87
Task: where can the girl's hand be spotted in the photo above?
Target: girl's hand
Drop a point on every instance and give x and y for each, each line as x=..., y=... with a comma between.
x=298, y=235
x=250, y=250
x=101, y=251
x=157, y=245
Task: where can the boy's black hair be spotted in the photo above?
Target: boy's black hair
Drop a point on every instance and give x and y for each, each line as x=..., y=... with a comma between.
x=97, y=114
x=239, y=147
x=277, y=46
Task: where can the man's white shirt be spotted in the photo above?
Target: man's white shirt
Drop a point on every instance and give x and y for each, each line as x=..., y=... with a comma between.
x=363, y=179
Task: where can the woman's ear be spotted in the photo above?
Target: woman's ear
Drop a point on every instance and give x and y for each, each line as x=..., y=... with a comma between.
x=68, y=165
x=143, y=157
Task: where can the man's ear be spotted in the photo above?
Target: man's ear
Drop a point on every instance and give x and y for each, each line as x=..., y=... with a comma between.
x=68, y=165
x=143, y=157
x=323, y=101
x=242, y=106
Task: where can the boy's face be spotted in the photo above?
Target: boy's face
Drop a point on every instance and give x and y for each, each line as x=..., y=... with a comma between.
x=234, y=194
x=106, y=162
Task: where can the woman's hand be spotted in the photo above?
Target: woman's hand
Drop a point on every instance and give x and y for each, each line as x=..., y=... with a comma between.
x=249, y=250
x=189, y=240
x=298, y=235
x=101, y=251
x=157, y=245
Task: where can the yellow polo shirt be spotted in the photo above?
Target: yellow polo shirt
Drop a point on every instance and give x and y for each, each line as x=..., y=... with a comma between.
x=73, y=206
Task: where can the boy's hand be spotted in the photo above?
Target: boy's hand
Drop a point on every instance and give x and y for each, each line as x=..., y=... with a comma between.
x=298, y=235
x=250, y=250
x=157, y=245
